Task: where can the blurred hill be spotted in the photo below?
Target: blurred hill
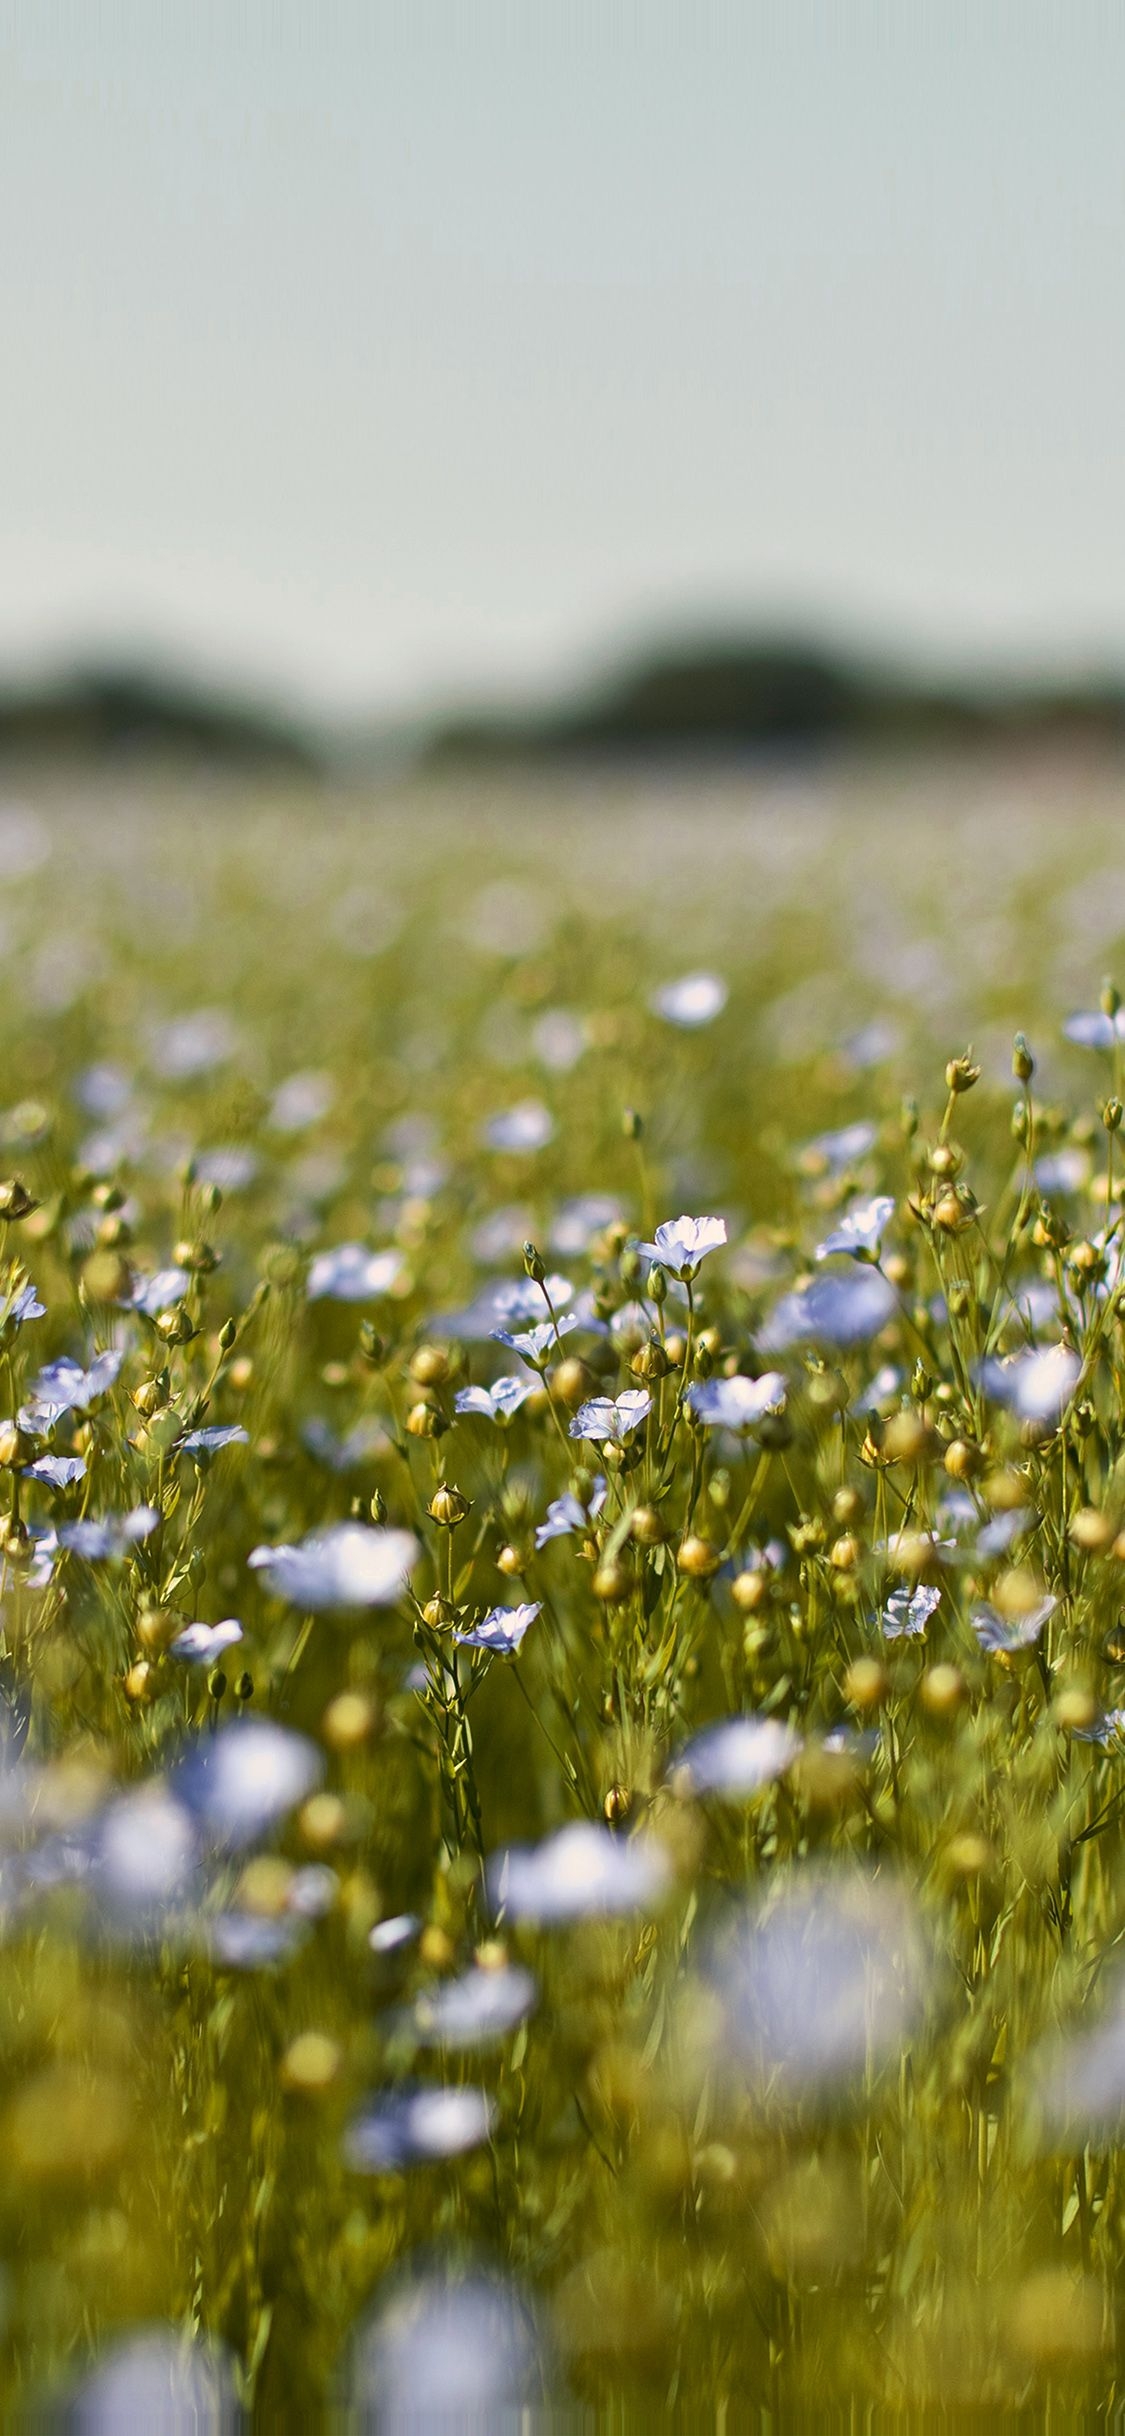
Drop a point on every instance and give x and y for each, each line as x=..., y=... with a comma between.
x=731, y=696
x=738, y=696
x=115, y=713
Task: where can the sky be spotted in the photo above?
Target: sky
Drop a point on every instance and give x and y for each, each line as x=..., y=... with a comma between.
x=372, y=356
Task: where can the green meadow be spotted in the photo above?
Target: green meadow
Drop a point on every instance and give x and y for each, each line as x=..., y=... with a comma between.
x=562, y=1697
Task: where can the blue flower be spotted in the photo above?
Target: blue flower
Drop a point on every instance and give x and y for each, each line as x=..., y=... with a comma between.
x=203, y=1643
x=735, y=1757
x=861, y=1230
x=1096, y=1030
x=110, y=1539
x=535, y=1343
x=529, y=1126
x=58, y=1471
x=681, y=1243
x=994, y=1634
x=240, y=1782
x=350, y=1273
x=65, y=1387
x=907, y=1613
x=1034, y=1386
x=155, y=1294
x=738, y=1403
x=832, y=1152
x=473, y=2011
x=501, y=1630
x=584, y=1872
x=413, y=2125
x=565, y=1514
x=610, y=1420
x=347, y=1565
x=842, y=1310
x=208, y=1441
x=695, y=999
x=495, y=1403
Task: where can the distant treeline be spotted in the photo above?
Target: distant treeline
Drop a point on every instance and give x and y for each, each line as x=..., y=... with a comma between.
x=737, y=697
x=727, y=698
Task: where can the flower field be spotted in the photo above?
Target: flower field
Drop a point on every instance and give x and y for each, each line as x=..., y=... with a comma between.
x=562, y=1696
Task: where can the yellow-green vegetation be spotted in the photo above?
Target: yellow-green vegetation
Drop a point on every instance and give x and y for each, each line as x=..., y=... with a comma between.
x=562, y=1476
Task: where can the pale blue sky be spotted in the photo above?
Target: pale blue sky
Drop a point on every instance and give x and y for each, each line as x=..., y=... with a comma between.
x=372, y=351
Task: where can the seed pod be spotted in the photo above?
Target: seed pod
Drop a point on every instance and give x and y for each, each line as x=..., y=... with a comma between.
x=429, y=1365
x=698, y=1558
x=448, y=1506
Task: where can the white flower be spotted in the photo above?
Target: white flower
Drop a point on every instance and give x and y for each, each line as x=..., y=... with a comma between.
x=681, y=1243
x=157, y=1293
x=609, y=1420
x=584, y=1872
x=735, y=1757
x=495, y=1403
x=1035, y=1386
x=110, y=1538
x=346, y=1565
x=449, y=2351
x=474, y=2010
x=995, y=1634
x=529, y=1126
x=203, y=1643
x=501, y=1630
x=301, y=1100
x=349, y=1273
x=695, y=999
x=861, y=1230
x=534, y=1343
x=241, y=1781
x=565, y=1514
x=842, y=1310
x=907, y=1613
x=411, y=2126
x=738, y=1403
x=65, y=1387
x=818, y=1985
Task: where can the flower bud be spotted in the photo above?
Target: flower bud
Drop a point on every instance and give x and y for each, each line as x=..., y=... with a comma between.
x=961, y=1074
x=1075, y=1708
x=698, y=1558
x=447, y=1506
x=1109, y=998
x=962, y=1459
x=244, y=1687
x=942, y=1690
x=429, y=1365
x=866, y=1683
x=1023, y=1063
x=612, y=1582
x=372, y=1346
x=1092, y=1531
x=423, y=1422
x=646, y=1527
x=571, y=1382
x=1111, y=1115
x=439, y=1614
x=15, y=1200
x=216, y=1683
x=533, y=1264
x=651, y=1362
x=748, y=1590
x=847, y=1506
x=511, y=1562
x=617, y=1805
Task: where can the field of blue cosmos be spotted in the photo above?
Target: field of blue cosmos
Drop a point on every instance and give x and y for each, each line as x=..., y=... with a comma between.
x=562, y=1683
